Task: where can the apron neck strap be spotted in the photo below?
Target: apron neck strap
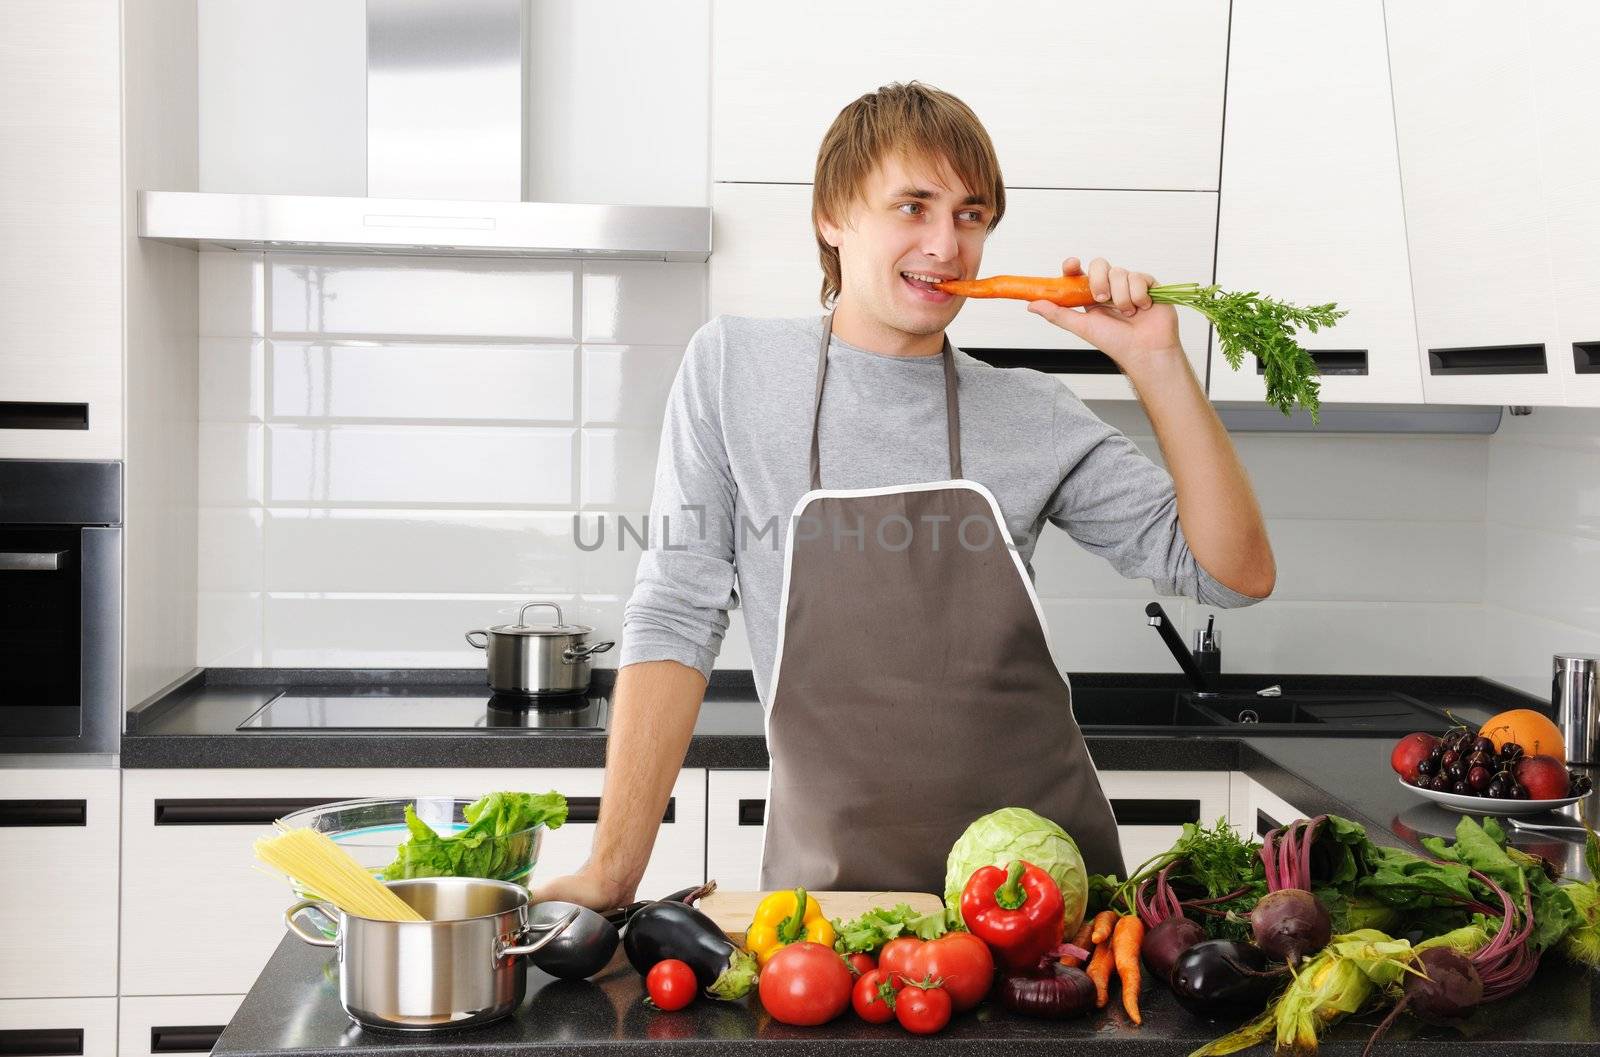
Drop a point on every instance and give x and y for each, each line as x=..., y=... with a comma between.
x=952, y=407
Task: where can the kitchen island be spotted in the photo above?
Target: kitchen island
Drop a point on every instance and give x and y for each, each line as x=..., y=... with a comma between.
x=294, y=1007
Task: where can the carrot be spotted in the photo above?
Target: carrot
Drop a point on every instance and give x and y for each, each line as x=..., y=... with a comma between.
x=1104, y=922
x=1082, y=939
x=1245, y=323
x=1125, y=942
x=1068, y=291
x=1100, y=972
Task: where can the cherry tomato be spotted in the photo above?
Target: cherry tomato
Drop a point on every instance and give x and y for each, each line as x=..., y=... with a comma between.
x=897, y=954
x=922, y=1010
x=671, y=984
x=868, y=998
x=962, y=961
x=805, y=983
x=860, y=964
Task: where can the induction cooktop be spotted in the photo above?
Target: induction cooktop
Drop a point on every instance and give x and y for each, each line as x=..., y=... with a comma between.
x=340, y=708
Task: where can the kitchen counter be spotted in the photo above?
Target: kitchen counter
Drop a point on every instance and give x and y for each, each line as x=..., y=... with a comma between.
x=294, y=1004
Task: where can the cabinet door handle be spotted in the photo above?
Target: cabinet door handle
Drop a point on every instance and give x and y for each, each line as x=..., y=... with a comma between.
x=1331, y=361
x=1155, y=812
x=35, y=414
x=1488, y=359
x=232, y=812
x=1049, y=361
x=752, y=812
x=186, y=1039
x=19, y=813
x=41, y=1042
x=586, y=809
x=1586, y=357
x=31, y=561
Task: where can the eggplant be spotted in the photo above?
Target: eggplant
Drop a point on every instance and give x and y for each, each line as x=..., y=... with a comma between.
x=1223, y=979
x=691, y=895
x=668, y=929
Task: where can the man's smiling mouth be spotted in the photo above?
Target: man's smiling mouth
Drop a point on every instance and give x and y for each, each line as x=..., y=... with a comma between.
x=923, y=283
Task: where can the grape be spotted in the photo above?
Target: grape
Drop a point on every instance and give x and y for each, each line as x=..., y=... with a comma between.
x=1427, y=766
x=1483, y=745
x=1478, y=778
x=1437, y=754
x=1461, y=788
x=1456, y=771
x=1439, y=782
x=1498, y=788
x=1449, y=758
x=1511, y=750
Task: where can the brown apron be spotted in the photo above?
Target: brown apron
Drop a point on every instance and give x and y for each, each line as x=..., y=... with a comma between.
x=913, y=688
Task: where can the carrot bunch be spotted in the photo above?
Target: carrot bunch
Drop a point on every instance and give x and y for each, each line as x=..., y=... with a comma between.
x=1116, y=939
x=1245, y=322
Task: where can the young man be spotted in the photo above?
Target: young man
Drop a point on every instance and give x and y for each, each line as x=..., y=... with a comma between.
x=871, y=496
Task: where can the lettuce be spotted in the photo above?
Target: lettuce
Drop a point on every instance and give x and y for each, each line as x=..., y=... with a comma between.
x=495, y=843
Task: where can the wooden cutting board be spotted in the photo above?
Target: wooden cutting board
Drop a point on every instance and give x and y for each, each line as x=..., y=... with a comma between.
x=732, y=911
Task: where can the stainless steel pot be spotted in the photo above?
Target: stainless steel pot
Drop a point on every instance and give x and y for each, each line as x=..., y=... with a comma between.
x=538, y=658
x=461, y=968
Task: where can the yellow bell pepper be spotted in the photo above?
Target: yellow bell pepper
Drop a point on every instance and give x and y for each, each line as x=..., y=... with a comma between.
x=783, y=918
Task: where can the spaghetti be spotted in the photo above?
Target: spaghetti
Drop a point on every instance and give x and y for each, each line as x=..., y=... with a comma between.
x=316, y=863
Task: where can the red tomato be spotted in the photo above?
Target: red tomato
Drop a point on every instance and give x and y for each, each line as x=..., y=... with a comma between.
x=922, y=1010
x=671, y=984
x=860, y=964
x=962, y=961
x=868, y=997
x=805, y=983
x=897, y=954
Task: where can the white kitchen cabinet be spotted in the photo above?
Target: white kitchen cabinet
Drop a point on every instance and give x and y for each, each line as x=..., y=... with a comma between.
x=86, y=1026
x=766, y=263
x=189, y=874
x=1152, y=806
x=1104, y=97
x=1465, y=107
x=172, y=1023
x=58, y=839
x=61, y=226
x=736, y=812
x=1310, y=204
x=1265, y=811
x=1564, y=39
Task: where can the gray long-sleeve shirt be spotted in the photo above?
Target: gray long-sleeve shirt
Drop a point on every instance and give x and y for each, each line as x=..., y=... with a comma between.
x=735, y=453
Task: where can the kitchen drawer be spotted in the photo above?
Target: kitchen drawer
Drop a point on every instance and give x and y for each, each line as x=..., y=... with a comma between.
x=1266, y=810
x=736, y=811
x=1152, y=806
x=58, y=840
x=173, y=1023
x=86, y=1026
x=186, y=884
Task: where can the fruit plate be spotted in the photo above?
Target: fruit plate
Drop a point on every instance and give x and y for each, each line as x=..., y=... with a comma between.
x=1483, y=805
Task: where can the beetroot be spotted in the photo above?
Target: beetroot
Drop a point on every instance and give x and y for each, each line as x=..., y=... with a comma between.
x=1449, y=992
x=1290, y=923
x=1164, y=943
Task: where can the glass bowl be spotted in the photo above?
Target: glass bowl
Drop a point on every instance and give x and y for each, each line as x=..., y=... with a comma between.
x=371, y=830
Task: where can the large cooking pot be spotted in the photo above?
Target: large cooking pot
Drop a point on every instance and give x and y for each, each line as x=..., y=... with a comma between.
x=538, y=658
x=461, y=968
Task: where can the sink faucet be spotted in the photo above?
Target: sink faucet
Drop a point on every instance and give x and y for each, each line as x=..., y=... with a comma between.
x=1194, y=665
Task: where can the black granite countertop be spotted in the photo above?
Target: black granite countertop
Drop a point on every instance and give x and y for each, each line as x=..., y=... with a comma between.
x=294, y=1005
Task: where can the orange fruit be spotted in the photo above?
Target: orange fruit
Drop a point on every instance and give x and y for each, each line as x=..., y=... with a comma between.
x=1532, y=730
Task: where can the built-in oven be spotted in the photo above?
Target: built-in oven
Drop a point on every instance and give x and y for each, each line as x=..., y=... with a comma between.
x=60, y=606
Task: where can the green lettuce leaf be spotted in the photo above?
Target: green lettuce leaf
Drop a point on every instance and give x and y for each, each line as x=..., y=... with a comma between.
x=493, y=845
x=1483, y=848
x=878, y=926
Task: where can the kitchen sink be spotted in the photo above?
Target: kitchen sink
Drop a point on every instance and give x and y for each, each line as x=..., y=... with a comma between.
x=1371, y=713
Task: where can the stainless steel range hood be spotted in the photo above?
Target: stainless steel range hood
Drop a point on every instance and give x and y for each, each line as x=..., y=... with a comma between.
x=446, y=83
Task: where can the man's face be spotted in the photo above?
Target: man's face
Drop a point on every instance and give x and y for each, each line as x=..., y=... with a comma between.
x=913, y=219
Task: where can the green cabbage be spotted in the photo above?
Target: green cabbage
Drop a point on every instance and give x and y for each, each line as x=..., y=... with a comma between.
x=1017, y=833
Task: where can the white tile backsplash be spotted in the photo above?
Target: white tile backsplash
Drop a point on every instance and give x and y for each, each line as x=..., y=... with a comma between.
x=391, y=380
x=392, y=452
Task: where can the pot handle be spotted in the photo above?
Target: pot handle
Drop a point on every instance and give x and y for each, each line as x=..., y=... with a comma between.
x=291, y=918
x=478, y=645
x=502, y=950
x=574, y=654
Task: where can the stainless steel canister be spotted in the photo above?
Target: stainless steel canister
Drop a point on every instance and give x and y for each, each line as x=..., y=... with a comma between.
x=531, y=659
x=462, y=967
x=1575, y=699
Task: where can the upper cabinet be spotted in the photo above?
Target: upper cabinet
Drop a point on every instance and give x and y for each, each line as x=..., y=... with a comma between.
x=1564, y=39
x=1125, y=97
x=61, y=229
x=1467, y=118
x=1310, y=203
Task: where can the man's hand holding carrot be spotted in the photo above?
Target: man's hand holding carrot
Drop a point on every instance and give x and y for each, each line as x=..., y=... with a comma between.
x=1125, y=325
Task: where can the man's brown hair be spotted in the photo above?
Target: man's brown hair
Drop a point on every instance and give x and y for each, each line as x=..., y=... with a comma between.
x=916, y=121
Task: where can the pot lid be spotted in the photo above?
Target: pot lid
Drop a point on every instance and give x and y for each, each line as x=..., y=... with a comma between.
x=522, y=627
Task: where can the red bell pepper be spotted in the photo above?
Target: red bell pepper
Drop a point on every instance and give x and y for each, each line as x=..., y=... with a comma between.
x=1017, y=911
